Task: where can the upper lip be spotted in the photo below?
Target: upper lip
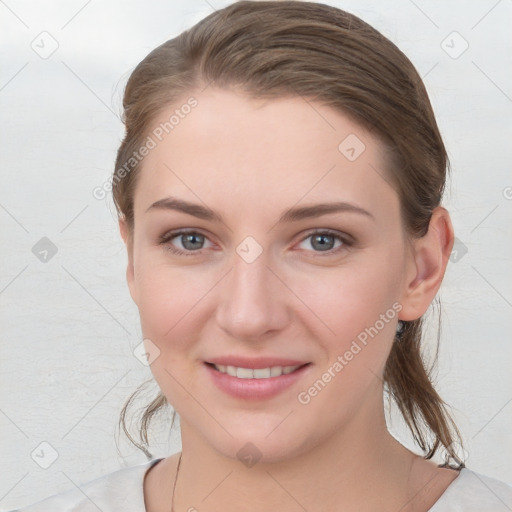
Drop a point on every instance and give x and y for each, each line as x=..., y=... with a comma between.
x=255, y=362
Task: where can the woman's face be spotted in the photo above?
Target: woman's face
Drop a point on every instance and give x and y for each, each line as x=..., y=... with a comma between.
x=255, y=287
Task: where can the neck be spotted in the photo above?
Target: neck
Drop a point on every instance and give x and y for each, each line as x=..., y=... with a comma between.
x=361, y=467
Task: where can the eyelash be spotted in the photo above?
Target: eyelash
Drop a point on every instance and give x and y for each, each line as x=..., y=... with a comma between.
x=165, y=239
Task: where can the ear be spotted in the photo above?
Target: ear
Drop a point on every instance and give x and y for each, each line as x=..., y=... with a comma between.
x=127, y=237
x=429, y=258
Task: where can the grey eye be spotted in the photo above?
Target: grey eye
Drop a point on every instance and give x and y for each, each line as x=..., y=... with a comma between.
x=191, y=241
x=322, y=242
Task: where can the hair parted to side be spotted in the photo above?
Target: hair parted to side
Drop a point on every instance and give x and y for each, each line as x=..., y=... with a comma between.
x=274, y=49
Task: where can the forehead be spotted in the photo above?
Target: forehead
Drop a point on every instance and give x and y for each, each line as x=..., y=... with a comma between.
x=232, y=149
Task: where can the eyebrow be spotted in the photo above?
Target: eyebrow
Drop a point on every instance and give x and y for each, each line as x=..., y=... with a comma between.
x=290, y=215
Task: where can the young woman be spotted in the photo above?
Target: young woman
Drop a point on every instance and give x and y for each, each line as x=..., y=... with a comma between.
x=279, y=193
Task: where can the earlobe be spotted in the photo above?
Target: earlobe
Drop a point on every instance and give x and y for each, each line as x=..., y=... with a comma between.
x=127, y=237
x=431, y=254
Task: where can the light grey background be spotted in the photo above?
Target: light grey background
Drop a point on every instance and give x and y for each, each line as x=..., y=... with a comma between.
x=68, y=326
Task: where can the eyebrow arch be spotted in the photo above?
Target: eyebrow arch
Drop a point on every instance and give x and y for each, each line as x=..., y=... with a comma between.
x=290, y=215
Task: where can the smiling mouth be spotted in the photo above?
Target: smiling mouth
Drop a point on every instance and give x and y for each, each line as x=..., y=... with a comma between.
x=255, y=373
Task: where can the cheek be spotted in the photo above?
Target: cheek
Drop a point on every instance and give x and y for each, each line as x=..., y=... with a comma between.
x=171, y=316
x=349, y=299
x=174, y=311
x=360, y=306
x=362, y=310
x=167, y=294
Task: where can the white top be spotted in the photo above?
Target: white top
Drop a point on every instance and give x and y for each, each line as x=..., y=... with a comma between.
x=123, y=491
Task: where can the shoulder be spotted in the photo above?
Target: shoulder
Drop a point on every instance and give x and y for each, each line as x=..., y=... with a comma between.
x=120, y=490
x=473, y=492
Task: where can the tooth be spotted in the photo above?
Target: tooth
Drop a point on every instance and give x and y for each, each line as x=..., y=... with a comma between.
x=244, y=373
x=276, y=371
x=257, y=373
x=261, y=373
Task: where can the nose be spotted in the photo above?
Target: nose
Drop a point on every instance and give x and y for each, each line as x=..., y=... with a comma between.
x=253, y=301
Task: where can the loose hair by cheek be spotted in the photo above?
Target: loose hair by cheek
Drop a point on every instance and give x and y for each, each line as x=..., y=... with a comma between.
x=275, y=49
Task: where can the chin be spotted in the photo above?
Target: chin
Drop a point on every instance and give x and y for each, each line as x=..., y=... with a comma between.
x=252, y=450
x=262, y=438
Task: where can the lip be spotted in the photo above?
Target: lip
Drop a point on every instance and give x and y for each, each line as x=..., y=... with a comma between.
x=255, y=362
x=255, y=389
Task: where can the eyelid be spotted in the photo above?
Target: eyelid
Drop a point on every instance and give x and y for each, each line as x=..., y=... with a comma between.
x=346, y=239
x=170, y=235
x=173, y=233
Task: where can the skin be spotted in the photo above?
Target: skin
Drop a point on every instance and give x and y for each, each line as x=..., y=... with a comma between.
x=249, y=160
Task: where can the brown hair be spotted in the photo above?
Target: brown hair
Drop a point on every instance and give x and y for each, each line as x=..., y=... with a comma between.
x=272, y=49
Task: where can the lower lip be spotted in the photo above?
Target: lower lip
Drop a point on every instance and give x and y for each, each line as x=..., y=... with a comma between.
x=254, y=389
